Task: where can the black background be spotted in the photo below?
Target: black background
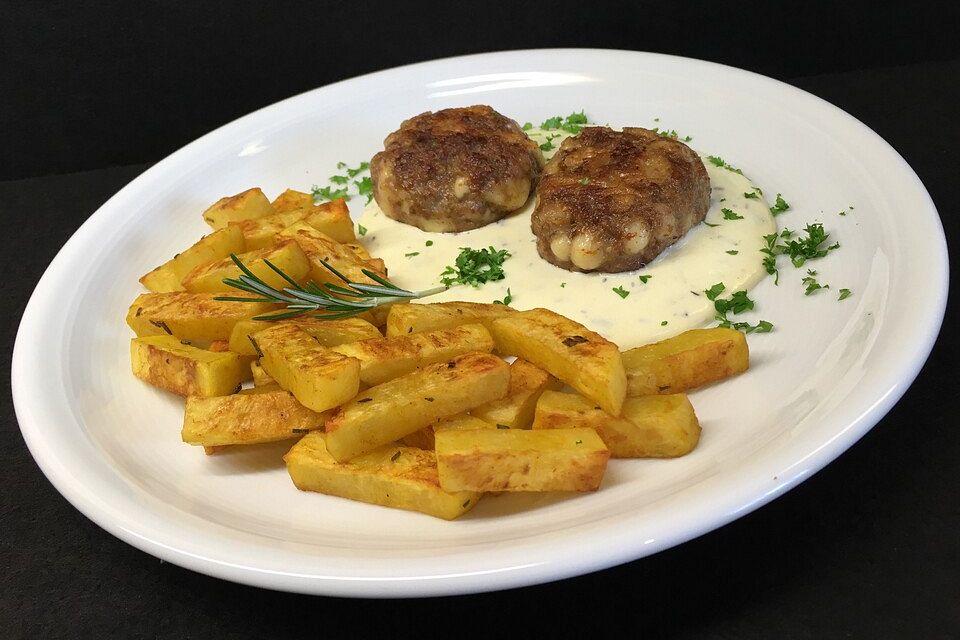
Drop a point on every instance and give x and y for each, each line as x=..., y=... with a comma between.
x=92, y=93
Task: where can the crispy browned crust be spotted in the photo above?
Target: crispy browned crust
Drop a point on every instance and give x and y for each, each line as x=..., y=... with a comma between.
x=456, y=169
x=603, y=183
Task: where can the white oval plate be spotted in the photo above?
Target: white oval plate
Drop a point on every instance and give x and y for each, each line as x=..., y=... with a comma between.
x=826, y=375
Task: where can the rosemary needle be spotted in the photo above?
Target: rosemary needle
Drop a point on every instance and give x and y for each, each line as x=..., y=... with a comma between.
x=327, y=301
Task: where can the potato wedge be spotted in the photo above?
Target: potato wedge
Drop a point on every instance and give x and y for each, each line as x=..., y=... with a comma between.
x=291, y=200
x=687, y=361
x=166, y=362
x=260, y=233
x=318, y=377
x=424, y=438
x=585, y=360
x=403, y=405
x=327, y=333
x=210, y=248
x=521, y=460
x=321, y=248
x=515, y=410
x=383, y=359
x=260, y=377
x=246, y=204
x=650, y=427
x=197, y=317
x=247, y=418
x=332, y=219
x=286, y=256
x=419, y=318
x=391, y=476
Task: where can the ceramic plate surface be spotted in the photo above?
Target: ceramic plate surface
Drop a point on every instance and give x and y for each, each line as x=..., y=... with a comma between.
x=826, y=375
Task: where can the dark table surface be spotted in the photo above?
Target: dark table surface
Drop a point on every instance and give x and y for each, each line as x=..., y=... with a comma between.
x=867, y=548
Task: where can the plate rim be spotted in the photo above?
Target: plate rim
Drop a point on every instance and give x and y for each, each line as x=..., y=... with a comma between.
x=383, y=586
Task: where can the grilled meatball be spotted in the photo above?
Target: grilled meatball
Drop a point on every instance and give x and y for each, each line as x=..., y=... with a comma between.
x=612, y=201
x=455, y=169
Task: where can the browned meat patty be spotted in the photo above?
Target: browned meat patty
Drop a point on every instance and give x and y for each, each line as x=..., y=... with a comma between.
x=455, y=169
x=612, y=201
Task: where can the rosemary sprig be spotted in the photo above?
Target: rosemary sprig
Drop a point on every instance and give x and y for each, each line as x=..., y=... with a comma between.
x=327, y=301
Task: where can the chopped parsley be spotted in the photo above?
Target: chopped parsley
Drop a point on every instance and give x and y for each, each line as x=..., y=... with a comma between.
x=751, y=195
x=844, y=294
x=717, y=161
x=507, y=300
x=573, y=123
x=779, y=206
x=620, y=291
x=412, y=254
x=339, y=179
x=811, y=284
x=800, y=249
x=663, y=323
x=476, y=267
x=672, y=133
x=738, y=302
x=730, y=214
x=362, y=230
x=364, y=187
x=563, y=284
x=644, y=278
x=325, y=194
x=715, y=291
x=527, y=126
x=733, y=252
x=710, y=224
x=584, y=180
x=548, y=145
x=428, y=243
x=339, y=186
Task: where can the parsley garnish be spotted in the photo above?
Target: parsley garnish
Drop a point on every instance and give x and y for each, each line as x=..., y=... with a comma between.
x=411, y=255
x=710, y=224
x=808, y=248
x=717, y=161
x=620, y=291
x=733, y=252
x=365, y=187
x=737, y=303
x=324, y=194
x=663, y=323
x=810, y=281
x=730, y=214
x=844, y=294
x=340, y=184
x=507, y=300
x=573, y=123
x=476, y=267
x=362, y=230
x=548, y=145
x=644, y=278
x=428, y=243
x=715, y=290
x=584, y=180
x=527, y=126
x=753, y=195
x=779, y=206
x=339, y=179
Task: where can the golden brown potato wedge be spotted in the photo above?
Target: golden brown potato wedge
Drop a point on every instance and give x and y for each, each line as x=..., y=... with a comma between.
x=521, y=460
x=515, y=410
x=585, y=360
x=286, y=256
x=246, y=204
x=318, y=377
x=383, y=359
x=327, y=333
x=260, y=233
x=403, y=405
x=321, y=248
x=423, y=438
x=247, y=418
x=260, y=377
x=210, y=248
x=650, y=427
x=419, y=318
x=290, y=200
x=687, y=361
x=196, y=317
x=390, y=476
x=168, y=363
x=333, y=220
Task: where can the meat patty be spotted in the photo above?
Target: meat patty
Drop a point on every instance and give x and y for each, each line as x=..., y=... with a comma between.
x=456, y=169
x=613, y=201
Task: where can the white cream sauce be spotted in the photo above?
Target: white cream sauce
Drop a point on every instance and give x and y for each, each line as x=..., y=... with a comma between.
x=673, y=294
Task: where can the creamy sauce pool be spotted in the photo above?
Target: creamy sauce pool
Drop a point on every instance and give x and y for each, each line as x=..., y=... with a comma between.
x=673, y=294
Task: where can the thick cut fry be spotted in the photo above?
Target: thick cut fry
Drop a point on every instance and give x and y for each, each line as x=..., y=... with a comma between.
x=383, y=359
x=247, y=418
x=246, y=204
x=168, y=363
x=260, y=377
x=210, y=248
x=515, y=410
x=318, y=377
x=321, y=248
x=401, y=406
x=391, y=476
x=424, y=438
x=286, y=256
x=650, y=427
x=689, y=360
x=259, y=233
x=332, y=219
x=585, y=360
x=521, y=460
x=418, y=318
x=291, y=200
x=327, y=333
x=197, y=317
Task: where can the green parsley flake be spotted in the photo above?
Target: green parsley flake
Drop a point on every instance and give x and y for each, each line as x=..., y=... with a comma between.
x=663, y=323
x=527, y=126
x=507, y=300
x=811, y=284
x=730, y=214
x=620, y=291
x=710, y=224
x=548, y=145
x=339, y=179
x=584, y=180
x=779, y=206
x=751, y=195
x=563, y=284
x=410, y=255
x=715, y=291
x=428, y=243
x=644, y=279
x=717, y=161
x=733, y=252
x=362, y=230
x=844, y=294
x=365, y=187
x=476, y=267
x=325, y=194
